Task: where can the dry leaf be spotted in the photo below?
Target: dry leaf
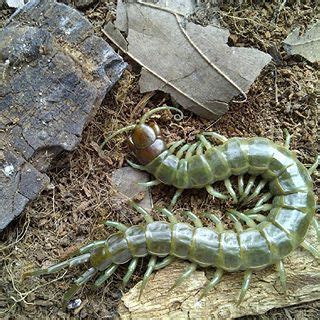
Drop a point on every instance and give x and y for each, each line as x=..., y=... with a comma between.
x=191, y=62
x=307, y=45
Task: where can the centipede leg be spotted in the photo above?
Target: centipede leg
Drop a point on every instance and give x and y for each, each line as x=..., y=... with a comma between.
x=257, y=191
x=147, y=275
x=316, y=226
x=106, y=275
x=288, y=138
x=185, y=275
x=213, y=282
x=149, y=183
x=282, y=275
x=175, y=198
x=313, y=168
x=197, y=222
x=78, y=283
x=215, y=135
x=191, y=150
x=245, y=286
x=237, y=224
x=175, y=145
x=310, y=248
x=215, y=220
x=264, y=207
x=88, y=248
x=232, y=193
x=131, y=269
x=248, y=188
x=205, y=142
x=266, y=197
x=182, y=150
x=240, y=185
x=135, y=165
x=215, y=194
x=117, y=225
x=164, y=263
x=142, y=211
x=258, y=217
x=249, y=222
x=169, y=215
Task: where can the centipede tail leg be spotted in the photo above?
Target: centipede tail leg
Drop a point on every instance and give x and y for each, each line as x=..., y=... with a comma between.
x=131, y=269
x=282, y=275
x=310, y=248
x=164, y=263
x=175, y=198
x=213, y=282
x=185, y=275
x=231, y=191
x=245, y=286
x=135, y=165
x=106, y=275
x=151, y=265
x=85, y=277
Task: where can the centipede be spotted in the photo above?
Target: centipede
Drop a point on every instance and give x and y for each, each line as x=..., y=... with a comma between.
x=256, y=240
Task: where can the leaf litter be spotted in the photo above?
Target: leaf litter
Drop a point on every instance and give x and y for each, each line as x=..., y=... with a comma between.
x=191, y=62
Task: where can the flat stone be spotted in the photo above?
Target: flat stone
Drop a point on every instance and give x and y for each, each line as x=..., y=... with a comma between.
x=126, y=183
x=54, y=75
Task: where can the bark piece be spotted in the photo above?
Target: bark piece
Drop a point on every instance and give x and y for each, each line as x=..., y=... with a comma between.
x=191, y=62
x=264, y=293
x=307, y=45
x=54, y=74
x=126, y=182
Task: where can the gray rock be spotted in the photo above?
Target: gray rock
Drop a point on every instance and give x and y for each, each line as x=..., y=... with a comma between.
x=84, y=3
x=126, y=182
x=54, y=74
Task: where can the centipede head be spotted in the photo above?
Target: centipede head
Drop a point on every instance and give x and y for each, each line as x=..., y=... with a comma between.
x=146, y=140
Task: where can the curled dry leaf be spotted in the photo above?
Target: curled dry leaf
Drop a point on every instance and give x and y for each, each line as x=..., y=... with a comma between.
x=191, y=62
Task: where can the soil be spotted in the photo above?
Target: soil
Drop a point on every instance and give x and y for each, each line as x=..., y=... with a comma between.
x=72, y=212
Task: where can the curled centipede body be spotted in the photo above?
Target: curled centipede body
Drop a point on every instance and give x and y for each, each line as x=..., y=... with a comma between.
x=290, y=204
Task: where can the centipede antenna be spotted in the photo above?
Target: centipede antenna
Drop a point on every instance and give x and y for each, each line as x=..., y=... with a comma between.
x=232, y=193
x=197, y=222
x=142, y=211
x=164, y=263
x=119, y=226
x=282, y=275
x=245, y=286
x=185, y=275
x=106, y=275
x=125, y=129
x=147, y=275
x=313, y=168
x=177, y=117
x=175, y=198
x=131, y=269
x=213, y=282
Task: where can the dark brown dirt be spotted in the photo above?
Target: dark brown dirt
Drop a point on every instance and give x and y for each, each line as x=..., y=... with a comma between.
x=284, y=96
